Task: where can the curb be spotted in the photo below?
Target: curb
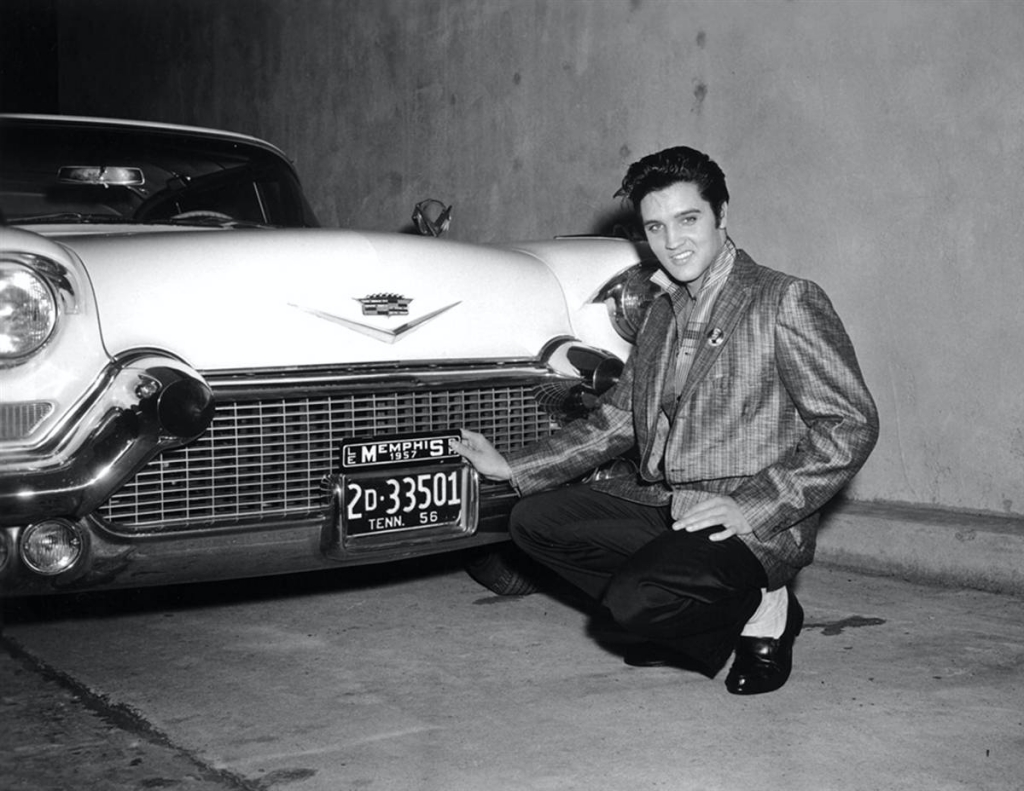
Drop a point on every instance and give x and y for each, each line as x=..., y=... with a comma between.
x=980, y=551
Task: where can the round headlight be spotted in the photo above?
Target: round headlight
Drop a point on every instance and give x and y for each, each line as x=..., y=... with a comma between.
x=628, y=296
x=51, y=547
x=28, y=311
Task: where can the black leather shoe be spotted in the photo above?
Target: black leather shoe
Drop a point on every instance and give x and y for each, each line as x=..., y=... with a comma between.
x=763, y=664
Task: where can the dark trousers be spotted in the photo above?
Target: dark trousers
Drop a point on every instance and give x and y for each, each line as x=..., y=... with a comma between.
x=681, y=589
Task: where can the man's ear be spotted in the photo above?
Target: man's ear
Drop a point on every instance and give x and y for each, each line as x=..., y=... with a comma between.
x=723, y=214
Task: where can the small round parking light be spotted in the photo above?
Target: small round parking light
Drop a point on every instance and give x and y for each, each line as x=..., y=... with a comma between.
x=51, y=547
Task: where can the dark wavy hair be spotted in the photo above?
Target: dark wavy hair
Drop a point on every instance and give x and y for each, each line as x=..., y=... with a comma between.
x=670, y=166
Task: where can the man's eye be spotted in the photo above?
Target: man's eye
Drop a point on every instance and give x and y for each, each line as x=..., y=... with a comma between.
x=688, y=220
x=654, y=229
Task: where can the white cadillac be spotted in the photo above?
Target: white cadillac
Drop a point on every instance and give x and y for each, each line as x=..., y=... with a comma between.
x=197, y=382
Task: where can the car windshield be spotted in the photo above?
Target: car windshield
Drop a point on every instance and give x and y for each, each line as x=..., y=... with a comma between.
x=55, y=172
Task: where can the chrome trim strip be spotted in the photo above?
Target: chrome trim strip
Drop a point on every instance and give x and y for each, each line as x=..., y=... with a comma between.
x=235, y=385
x=372, y=371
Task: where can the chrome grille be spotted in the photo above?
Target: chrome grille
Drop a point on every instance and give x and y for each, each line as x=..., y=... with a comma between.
x=265, y=458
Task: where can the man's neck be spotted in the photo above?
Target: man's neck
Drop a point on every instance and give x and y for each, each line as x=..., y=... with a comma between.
x=693, y=287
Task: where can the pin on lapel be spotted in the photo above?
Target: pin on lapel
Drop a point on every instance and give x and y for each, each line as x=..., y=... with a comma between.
x=716, y=337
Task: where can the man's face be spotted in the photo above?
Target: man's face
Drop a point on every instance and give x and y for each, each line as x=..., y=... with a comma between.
x=681, y=229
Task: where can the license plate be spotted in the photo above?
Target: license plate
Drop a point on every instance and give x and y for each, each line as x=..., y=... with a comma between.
x=414, y=482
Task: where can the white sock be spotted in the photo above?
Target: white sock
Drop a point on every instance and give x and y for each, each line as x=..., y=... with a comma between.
x=770, y=618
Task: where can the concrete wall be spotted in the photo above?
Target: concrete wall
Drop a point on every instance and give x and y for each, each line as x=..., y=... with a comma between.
x=876, y=146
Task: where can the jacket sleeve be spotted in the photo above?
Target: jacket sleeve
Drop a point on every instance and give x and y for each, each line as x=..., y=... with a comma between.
x=580, y=446
x=818, y=368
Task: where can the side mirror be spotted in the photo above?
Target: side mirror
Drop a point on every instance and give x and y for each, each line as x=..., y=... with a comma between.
x=432, y=217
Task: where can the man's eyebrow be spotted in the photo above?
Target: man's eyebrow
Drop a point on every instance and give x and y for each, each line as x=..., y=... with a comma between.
x=681, y=213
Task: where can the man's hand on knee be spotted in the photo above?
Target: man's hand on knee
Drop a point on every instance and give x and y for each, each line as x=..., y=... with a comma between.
x=720, y=512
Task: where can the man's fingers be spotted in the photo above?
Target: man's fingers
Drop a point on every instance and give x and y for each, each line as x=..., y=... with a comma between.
x=471, y=442
x=716, y=512
x=706, y=524
x=702, y=520
x=707, y=510
x=469, y=437
x=690, y=524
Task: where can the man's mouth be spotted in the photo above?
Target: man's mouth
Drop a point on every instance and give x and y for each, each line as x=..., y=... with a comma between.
x=682, y=257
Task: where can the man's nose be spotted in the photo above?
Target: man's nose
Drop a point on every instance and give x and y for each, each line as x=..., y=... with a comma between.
x=673, y=238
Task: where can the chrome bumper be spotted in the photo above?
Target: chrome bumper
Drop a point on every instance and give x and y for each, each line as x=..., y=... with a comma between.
x=89, y=470
x=138, y=408
x=275, y=547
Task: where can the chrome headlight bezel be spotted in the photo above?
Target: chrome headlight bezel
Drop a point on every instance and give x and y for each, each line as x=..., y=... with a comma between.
x=35, y=292
x=628, y=296
x=52, y=546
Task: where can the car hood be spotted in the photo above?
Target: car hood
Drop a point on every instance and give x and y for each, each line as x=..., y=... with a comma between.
x=258, y=298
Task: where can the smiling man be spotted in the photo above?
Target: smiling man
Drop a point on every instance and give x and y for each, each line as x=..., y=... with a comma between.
x=746, y=407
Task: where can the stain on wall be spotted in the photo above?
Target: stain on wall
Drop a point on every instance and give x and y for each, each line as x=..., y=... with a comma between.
x=876, y=147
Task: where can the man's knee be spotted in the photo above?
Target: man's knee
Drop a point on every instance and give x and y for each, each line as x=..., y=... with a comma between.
x=518, y=527
x=543, y=512
x=679, y=583
x=634, y=602
x=528, y=520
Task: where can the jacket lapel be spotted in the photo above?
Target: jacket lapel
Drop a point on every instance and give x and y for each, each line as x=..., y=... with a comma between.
x=653, y=363
x=726, y=313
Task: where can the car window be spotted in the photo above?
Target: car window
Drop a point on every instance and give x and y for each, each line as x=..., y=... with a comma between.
x=51, y=173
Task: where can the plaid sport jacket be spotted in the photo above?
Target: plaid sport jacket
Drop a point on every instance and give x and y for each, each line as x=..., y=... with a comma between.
x=774, y=413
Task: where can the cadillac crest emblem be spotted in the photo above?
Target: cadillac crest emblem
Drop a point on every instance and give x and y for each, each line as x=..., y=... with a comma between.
x=385, y=305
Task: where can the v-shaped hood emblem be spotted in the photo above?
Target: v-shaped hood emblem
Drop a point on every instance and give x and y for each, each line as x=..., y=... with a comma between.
x=378, y=333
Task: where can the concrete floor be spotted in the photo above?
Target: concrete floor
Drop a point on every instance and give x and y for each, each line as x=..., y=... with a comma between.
x=416, y=678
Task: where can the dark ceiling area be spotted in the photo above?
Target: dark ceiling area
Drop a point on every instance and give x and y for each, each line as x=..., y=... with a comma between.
x=28, y=56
